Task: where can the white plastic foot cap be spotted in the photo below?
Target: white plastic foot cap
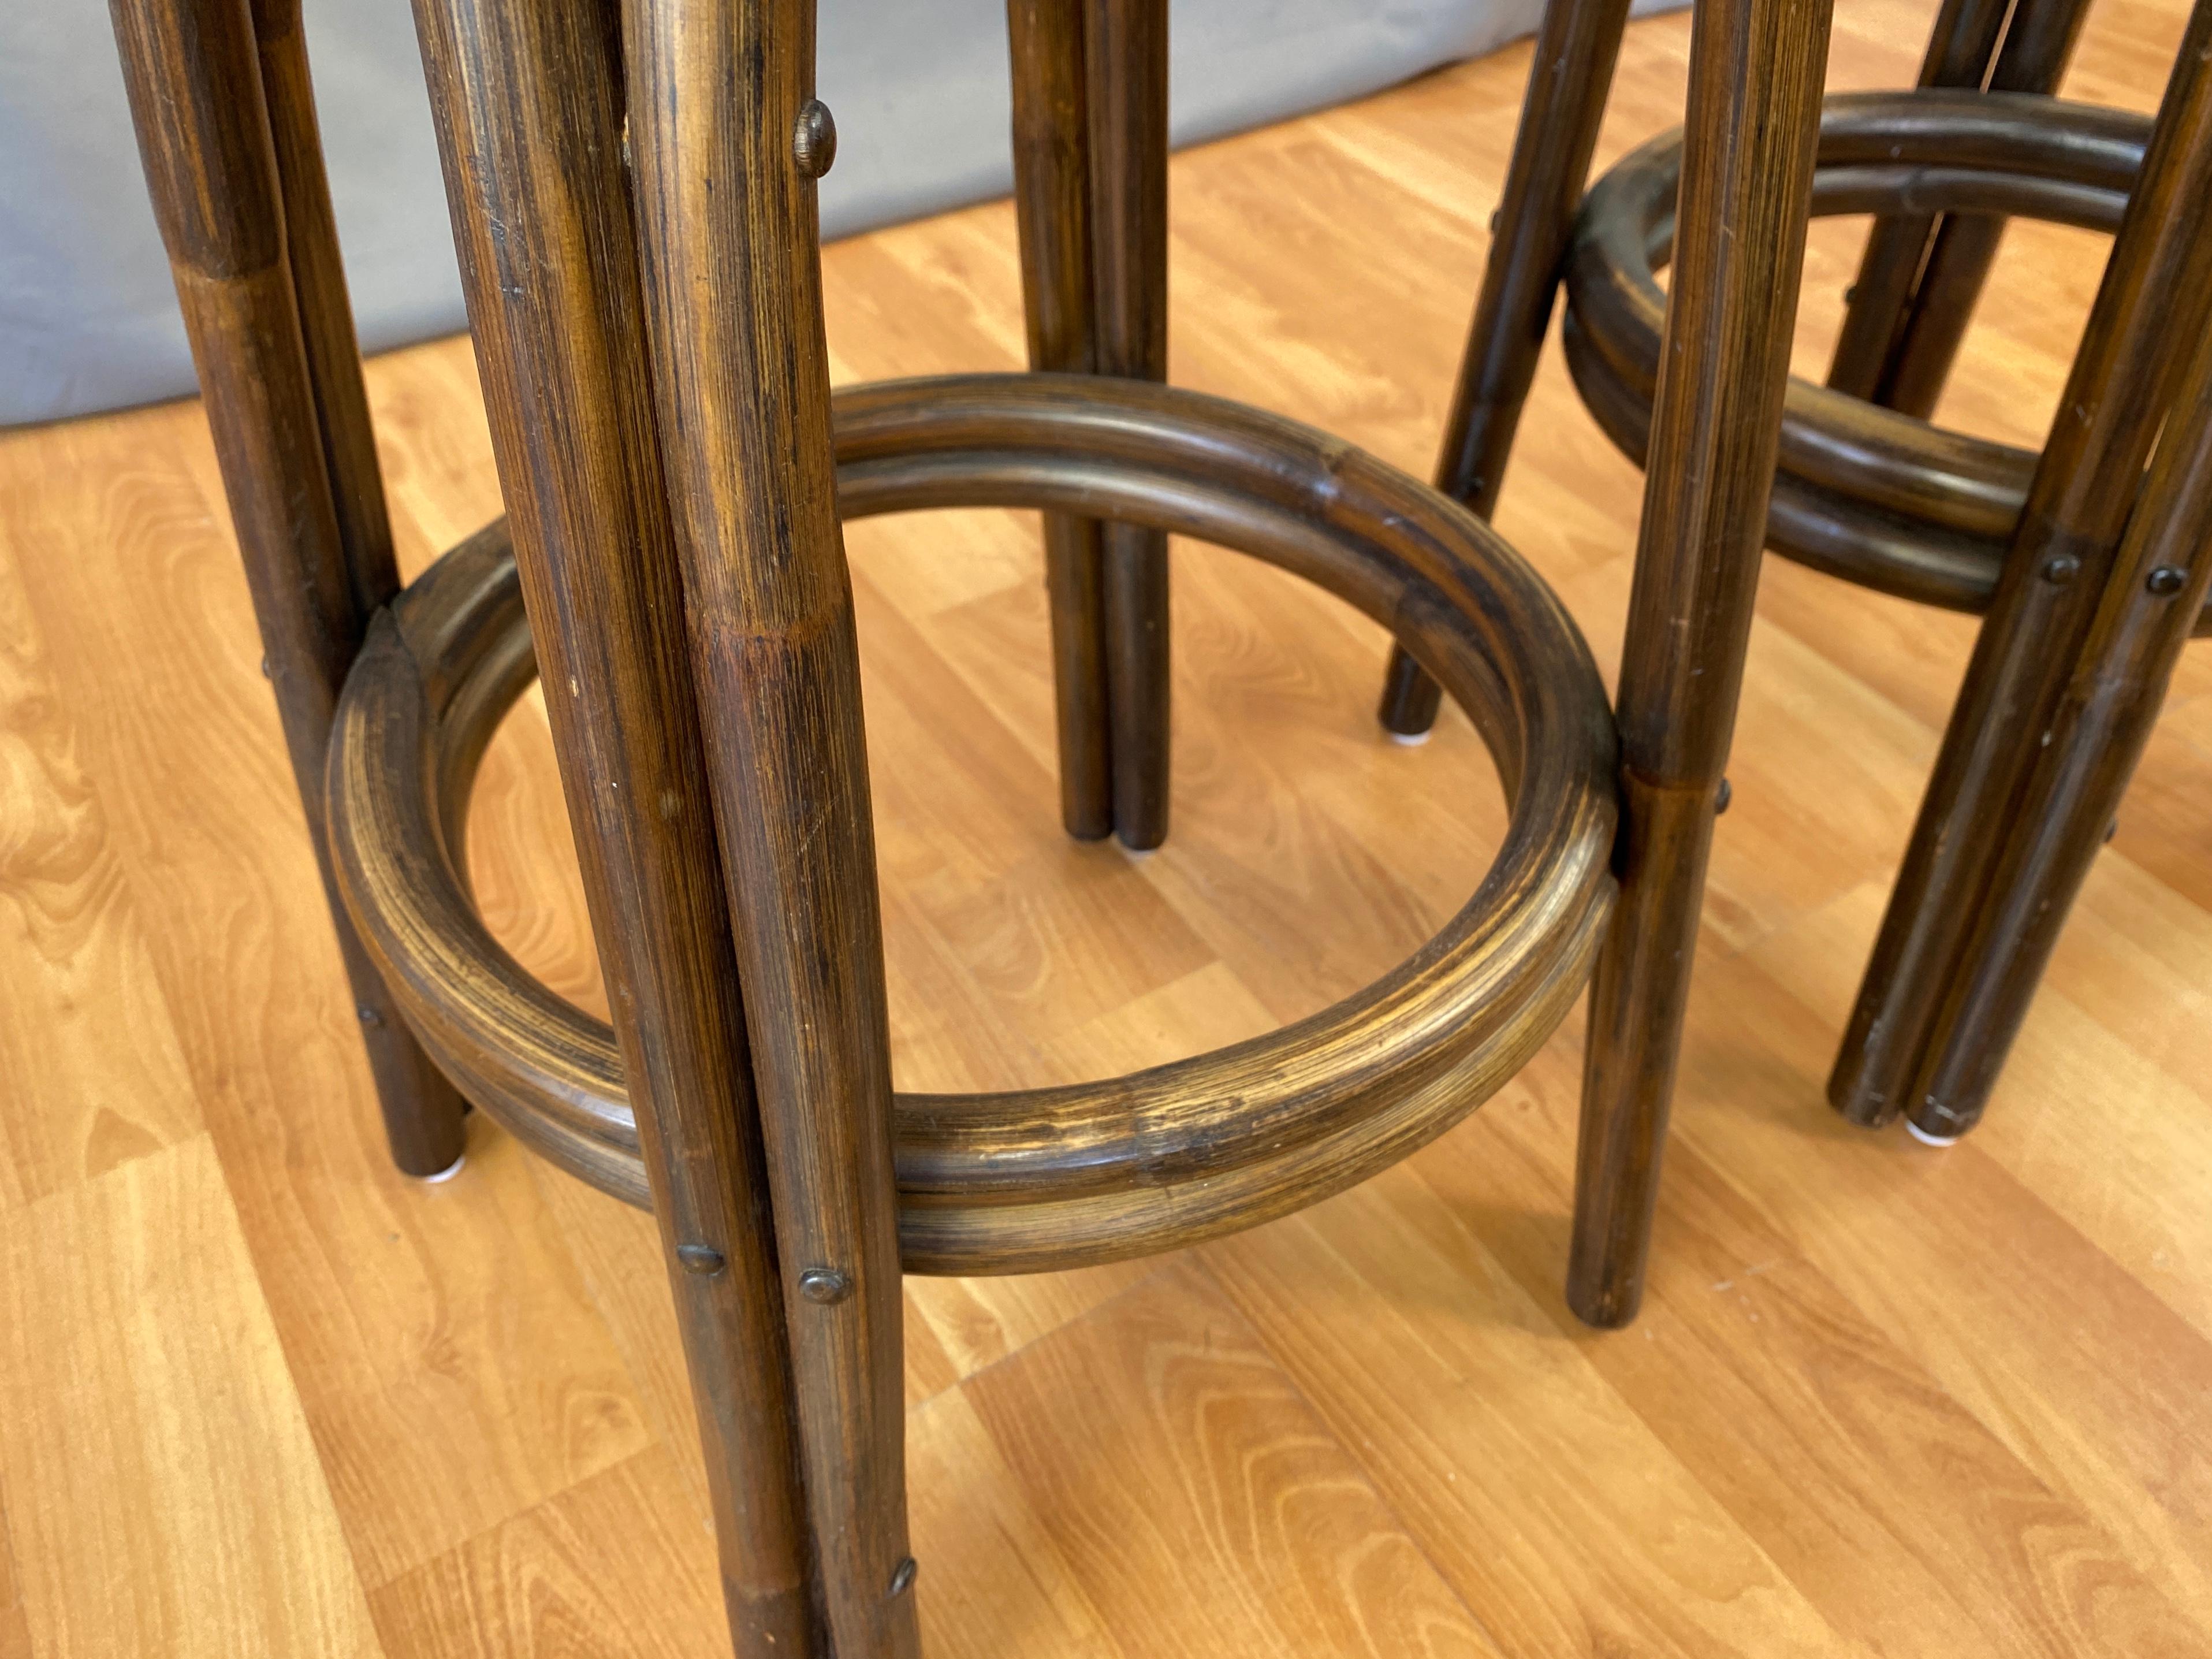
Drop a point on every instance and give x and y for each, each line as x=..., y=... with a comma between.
x=1926, y=1138
x=1407, y=739
x=447, y=1173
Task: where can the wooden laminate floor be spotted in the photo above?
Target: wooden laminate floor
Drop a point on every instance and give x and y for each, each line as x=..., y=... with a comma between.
x=260, y=1395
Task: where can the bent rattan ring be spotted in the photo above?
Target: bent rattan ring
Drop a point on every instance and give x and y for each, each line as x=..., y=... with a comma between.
x=1865, y=493
x=1051, y=1177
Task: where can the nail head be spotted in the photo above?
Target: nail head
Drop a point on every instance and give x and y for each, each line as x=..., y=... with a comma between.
x=368, y=1016
x=824, y=1286
x=702, y=1258
x=2062, y=569
x=814, y=140
x=2166, y=580
x=1722, y=796
x=902, y=1576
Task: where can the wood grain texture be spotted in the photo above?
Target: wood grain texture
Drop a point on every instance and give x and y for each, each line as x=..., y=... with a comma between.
x=454, y=1326
x=73, y=952
x=607, y=1567
x=999, y=1582
x=1802, y=1453
x=1437, y=1360
x=1292, y=1547
x=465, y=1357
x=163, y=1526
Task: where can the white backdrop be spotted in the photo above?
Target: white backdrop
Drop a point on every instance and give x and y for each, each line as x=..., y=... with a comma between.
x=88, y=321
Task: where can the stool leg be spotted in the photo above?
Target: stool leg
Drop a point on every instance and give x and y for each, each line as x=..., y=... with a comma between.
x=311, y=247
x=1051, y=211
x=1125, y=44
x=1569, y=78
x=289, y=415
x=2157, y=289
x=1754, y=103
x=1576, y=45
x=727, y=225
x=527, y=98
x=1091, y=175
x=2096, y=737
x=1052, y=207
x=1965, y=246
x=1959, y=50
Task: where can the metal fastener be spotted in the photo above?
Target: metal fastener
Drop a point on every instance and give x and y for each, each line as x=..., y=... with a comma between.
x=702, y=1258
x=2061, y=569
x=814, y=140
x=902, y=1576
x=2112, y=829
x=1722, y=797
x=2166, y=580
x=824, y=1285
x=368, y=1016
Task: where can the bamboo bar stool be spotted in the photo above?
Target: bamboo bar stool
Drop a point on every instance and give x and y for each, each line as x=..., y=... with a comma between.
x=632, y=189
x=1879, y=497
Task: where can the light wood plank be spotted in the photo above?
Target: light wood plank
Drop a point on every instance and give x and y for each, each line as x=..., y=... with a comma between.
x=164, y=1493
x=447, y=1356
x=618, y=1566
x=1797, y=1410
x=74, y=966
x=1232, y=1522
x=992, y=1582
x=1545, y=1500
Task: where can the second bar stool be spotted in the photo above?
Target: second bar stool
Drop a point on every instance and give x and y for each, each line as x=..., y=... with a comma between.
x=1866, y=490
x=2044, y=544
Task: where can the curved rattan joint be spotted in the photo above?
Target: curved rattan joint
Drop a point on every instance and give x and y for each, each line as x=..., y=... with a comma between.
x=1052, y=1177
x=1865, y=493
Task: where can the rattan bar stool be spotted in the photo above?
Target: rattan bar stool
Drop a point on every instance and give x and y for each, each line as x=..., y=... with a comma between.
x=632, y=189
x=2043, y=544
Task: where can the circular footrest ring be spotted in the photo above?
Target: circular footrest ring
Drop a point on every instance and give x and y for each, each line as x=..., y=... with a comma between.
x=1059, y=1176
x=1862, y=492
